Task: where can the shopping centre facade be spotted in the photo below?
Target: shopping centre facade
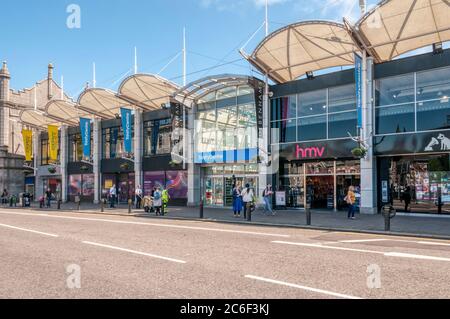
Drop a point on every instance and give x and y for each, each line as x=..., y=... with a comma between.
x=298, y=134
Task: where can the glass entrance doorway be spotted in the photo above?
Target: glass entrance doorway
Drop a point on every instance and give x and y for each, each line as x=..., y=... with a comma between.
x=218, y=182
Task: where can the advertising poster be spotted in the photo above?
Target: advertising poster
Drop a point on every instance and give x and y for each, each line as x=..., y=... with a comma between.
x=153, y=179
x=176, y=184
x=53, y=142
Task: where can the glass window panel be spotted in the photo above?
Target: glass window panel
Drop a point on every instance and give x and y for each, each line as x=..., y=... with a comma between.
x=287, y=131
x=340, y=124
x=433, y=84
x=226, y=93
x=342, y=98
x=245, y=90
x=348, y=167
x=246, y=115
x=284, y=108
x=394, y=90
x=319, y=168
x=227, y=116
x=312, y=128
x=312, y=103
x=395, y=119
x=433, y=115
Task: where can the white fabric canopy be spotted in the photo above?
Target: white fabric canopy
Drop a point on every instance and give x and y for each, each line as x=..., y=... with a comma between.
x=395, y=27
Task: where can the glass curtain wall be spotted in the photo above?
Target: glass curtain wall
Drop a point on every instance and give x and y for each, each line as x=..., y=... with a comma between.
x=317, y=115
x=157, y=137
x=76, y=148
x=413, y=102
x=226, y=120
x=113, y=142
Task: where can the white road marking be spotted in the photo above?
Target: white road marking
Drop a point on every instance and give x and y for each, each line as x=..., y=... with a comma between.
x=320, y=291
x=28, y=230
x=155, y=224
x=387, y=254
x=362, y=240
x=326, y=247
x=403, y=255
x=432, y=243
x=134, y=252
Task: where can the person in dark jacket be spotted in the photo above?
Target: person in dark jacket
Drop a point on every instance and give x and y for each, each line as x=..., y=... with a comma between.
x=407, y=198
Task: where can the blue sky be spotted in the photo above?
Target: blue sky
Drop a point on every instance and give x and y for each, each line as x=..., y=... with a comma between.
x=35, y=33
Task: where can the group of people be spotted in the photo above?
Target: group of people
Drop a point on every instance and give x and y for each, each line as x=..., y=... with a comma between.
x=159, y=199
x=244, y=200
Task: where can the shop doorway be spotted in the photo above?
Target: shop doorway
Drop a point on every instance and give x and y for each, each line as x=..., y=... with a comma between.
x=125, y=186
x=54, y=184
x=321, y=191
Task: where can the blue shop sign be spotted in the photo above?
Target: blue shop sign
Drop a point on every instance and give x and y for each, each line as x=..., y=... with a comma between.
x=233, y=156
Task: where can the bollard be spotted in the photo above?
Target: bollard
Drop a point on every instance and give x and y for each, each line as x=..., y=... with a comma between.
x=249, y=212
x=201, y=208
x=79, y=203
x=129, y=206
x=308, y=215
x=102, y=205
x=387, y=221
x=59, y=204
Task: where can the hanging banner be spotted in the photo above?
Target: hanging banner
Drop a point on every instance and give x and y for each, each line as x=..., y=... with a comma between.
x=53, y=141
x=85, y=129
x=359, y=84
x=126, y=127
x=259, y=88
x=28, y=144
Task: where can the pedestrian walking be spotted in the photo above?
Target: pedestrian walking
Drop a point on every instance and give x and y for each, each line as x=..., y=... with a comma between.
x=5, y=196
x=138, y=197
x=247, y=198
x=165, y=197
x=407, y=198
x=112, y=196
x=351, y=199
x=157, y=201
x=267, y=196
x=237, y=201
x=48, y=196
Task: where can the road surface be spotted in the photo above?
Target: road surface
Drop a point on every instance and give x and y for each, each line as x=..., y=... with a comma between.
x=73, y=255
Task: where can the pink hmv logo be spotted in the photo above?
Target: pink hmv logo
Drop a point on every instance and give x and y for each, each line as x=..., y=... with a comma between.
x=310, y=152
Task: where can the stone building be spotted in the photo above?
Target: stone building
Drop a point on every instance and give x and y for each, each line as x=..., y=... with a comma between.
x=12, y=160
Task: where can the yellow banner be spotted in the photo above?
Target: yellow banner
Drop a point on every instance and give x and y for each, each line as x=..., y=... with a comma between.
x=28, y=144
x=53, y=142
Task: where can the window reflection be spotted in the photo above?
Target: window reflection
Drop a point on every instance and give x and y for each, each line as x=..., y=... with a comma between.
x=312, y=103
x=395, y=90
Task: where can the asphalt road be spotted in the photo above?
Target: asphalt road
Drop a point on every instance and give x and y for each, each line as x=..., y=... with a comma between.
x=44, y=255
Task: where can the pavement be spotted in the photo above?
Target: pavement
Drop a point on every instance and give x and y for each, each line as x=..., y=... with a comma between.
x=433, y=227
x=83, y=255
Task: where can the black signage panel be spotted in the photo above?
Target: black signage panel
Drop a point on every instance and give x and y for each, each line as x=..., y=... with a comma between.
x=430, y=142
x=258, y=87
x=318, y=150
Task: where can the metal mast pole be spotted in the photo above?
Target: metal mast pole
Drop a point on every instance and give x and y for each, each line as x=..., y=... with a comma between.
x=184, y=107
x=94, y=79
x=135, y=61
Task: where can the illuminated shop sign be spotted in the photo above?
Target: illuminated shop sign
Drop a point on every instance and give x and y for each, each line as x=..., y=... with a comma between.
x=330, y=149
x=309, y=152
